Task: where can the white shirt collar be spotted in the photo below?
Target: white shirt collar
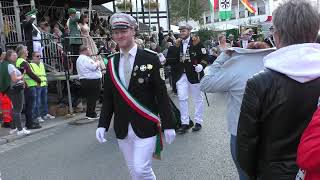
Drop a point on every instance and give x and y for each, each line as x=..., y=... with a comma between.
x=186, y=41
x=132, y=52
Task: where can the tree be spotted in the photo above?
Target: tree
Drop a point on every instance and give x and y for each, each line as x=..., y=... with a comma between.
x=205, y=35
x=179, y=10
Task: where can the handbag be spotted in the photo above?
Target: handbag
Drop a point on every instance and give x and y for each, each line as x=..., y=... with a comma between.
x=18, y=86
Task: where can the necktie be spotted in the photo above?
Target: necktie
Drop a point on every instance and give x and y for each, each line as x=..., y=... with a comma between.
x=127, y=70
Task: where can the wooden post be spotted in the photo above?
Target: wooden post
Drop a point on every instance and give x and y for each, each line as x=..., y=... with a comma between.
x=17, y=17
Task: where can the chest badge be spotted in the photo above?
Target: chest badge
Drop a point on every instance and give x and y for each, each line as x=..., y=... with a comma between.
x=162, y=75
x=149, y=66
x=136, y=68
x=203, y=50
x=143, y=68
x=140, y=80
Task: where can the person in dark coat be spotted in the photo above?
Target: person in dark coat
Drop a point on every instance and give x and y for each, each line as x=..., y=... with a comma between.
x=278, y=102
x=135, y=94
x=28, y=29
x=160, y=36
x=189, y=62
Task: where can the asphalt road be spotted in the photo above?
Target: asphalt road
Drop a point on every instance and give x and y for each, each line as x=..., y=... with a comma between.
x=70, y=152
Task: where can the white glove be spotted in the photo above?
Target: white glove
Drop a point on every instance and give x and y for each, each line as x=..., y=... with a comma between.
x=198, y=68
x=170, y=135
x=100, y=134
x=162, y=58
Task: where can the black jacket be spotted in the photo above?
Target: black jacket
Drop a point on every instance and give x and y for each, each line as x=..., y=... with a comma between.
x=275, y=110
x=198, y=55
x=151, y=93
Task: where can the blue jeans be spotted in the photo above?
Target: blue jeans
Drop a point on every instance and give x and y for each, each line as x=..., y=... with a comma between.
x=30, y=95
x=233, y=147
x=42, y=101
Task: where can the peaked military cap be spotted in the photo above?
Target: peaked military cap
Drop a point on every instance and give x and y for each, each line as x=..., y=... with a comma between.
x=122, y=21
x=184, y=25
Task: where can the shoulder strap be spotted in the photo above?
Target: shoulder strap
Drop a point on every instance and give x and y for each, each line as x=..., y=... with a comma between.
x=129, y=99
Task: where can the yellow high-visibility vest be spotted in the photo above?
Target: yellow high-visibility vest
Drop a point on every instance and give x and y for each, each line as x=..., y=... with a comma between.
x=30, y=82
x=40, y=71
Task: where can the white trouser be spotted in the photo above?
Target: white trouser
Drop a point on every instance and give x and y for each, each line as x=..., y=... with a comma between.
x=138, y=154
x=184, y=87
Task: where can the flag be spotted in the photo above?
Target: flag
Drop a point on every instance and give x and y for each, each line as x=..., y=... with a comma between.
x=213, y=4
x=225, y=9
x=248, y=5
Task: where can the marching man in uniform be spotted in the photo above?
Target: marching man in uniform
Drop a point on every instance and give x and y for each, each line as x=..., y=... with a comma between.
x=135, y=93
x=191, y=61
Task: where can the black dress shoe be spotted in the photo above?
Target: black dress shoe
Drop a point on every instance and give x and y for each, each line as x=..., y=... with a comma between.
x=197, y=127
x=183, y=129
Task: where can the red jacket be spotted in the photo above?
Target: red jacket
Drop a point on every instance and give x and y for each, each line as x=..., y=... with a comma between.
x=308, y=157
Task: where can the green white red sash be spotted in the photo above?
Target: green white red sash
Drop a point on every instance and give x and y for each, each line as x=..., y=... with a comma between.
x=136, y=106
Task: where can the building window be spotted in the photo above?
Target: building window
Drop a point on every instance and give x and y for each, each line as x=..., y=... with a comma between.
x=261, y=10
x=242, y=14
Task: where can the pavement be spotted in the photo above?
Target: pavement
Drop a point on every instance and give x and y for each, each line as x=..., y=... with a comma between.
x=5, y=136
x=71, y=152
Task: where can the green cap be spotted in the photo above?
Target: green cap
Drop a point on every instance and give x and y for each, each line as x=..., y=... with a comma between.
x=32, y=12
x=72, y=10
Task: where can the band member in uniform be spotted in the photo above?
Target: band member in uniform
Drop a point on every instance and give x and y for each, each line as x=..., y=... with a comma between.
x=191, y=61
x=269, y=40
x=28, y=30
x=135, y=93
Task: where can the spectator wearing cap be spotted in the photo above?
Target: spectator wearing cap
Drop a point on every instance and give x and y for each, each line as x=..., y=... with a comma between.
x=135, y=77
x=74, y=32
x=90, y=80
x=269, y=40
x=279, y=101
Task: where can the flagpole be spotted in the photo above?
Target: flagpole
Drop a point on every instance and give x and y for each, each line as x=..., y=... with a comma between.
x=212, y=13
x=188, y=11
x=239, y=17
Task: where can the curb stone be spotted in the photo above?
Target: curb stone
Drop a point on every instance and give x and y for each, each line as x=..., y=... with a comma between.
x=11, y=138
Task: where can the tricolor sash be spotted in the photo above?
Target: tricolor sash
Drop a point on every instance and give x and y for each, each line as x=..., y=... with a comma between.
x=136, y=106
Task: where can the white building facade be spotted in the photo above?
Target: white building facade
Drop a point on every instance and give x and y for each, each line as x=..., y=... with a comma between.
x=242, y=17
